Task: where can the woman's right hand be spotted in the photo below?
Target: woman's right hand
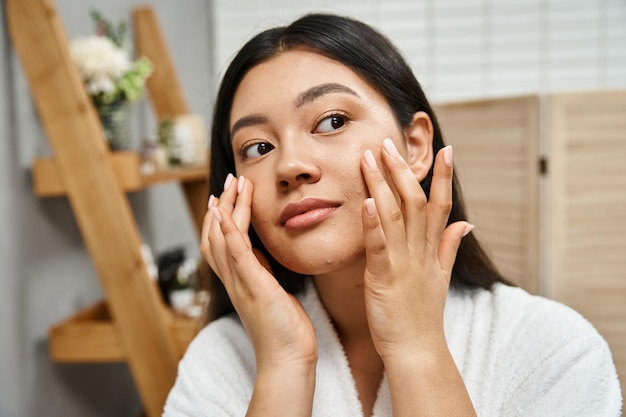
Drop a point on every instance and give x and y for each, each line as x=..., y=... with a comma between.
x=278, y=326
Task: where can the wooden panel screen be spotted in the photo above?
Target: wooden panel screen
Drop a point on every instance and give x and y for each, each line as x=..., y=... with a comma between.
x=587, y=262
x=496, y=151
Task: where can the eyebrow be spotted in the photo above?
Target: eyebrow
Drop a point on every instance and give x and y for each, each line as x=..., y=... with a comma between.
x=303, y=98
x=317, y=91
x=251, y=120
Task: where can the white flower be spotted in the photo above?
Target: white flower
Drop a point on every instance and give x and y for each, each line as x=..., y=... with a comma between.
x=100, y=85
x=100, y=62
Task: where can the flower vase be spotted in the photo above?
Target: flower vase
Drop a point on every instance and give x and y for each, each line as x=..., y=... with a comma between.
x=115, y=120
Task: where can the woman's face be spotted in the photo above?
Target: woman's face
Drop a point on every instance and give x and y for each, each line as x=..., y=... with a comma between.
x=300, y=123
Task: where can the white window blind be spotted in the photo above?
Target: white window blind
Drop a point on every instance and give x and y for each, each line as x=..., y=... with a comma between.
x=462, y=49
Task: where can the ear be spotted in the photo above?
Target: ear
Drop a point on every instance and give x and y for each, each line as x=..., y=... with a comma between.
x=419, y=141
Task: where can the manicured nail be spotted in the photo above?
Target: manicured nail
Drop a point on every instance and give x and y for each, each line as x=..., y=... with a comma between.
x=228, y=182
x=391, y=147
x=240, y=184
x=468, y=229
x=211, y=201
x=369, y=160
x=370, y=206
x=217, y=214
x=448, y=155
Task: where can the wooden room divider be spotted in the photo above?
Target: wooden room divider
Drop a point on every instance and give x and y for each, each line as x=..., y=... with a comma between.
x=496, y=144
x=545, y=184
x=586, y=208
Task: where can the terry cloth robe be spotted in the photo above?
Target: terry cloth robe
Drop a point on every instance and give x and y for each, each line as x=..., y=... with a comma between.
x=519, y=355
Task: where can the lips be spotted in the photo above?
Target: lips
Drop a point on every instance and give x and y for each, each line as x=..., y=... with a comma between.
x=307, y=212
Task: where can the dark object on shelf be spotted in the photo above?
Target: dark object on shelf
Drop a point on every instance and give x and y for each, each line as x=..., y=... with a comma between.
x=168, y=264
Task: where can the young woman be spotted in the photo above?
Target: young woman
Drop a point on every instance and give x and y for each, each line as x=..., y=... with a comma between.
x=347, y=280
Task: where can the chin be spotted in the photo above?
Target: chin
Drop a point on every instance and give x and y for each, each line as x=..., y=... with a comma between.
x=317, y=263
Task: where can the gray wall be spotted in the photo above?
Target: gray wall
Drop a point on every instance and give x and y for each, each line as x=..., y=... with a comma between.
x=46, y=272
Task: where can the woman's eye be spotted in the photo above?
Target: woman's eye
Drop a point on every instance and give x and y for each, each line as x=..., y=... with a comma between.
x=331, y=123
x=256, y=150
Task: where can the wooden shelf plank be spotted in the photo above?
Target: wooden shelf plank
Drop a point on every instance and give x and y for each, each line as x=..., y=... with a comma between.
x=184, y=175
x=90, y=336
x=47, y=181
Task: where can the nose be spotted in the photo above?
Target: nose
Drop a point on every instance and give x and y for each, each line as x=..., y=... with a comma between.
x=296, y=166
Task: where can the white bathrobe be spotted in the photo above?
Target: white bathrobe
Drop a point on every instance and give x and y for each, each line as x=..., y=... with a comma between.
x=519, y=355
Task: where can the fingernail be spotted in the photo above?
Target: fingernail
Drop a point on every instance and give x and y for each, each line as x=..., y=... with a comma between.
x=217, y=214
x=370, y=206
x=369, y=160
x=391, y=147
x=241, y=184
x=211, y=201
x=468, y=229
x=448, y=155
x=228, y=182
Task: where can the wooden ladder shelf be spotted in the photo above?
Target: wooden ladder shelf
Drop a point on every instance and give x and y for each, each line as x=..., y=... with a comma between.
x=133, y=324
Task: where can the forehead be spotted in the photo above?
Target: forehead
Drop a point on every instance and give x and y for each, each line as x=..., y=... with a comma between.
x=280, y=79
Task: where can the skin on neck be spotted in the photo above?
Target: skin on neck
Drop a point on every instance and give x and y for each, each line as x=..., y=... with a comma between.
x=341, y=293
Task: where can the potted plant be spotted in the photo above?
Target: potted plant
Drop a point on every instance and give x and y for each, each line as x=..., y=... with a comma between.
x=111, y=78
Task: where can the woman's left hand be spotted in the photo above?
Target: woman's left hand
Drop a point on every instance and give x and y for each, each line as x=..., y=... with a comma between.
x=410, y=252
